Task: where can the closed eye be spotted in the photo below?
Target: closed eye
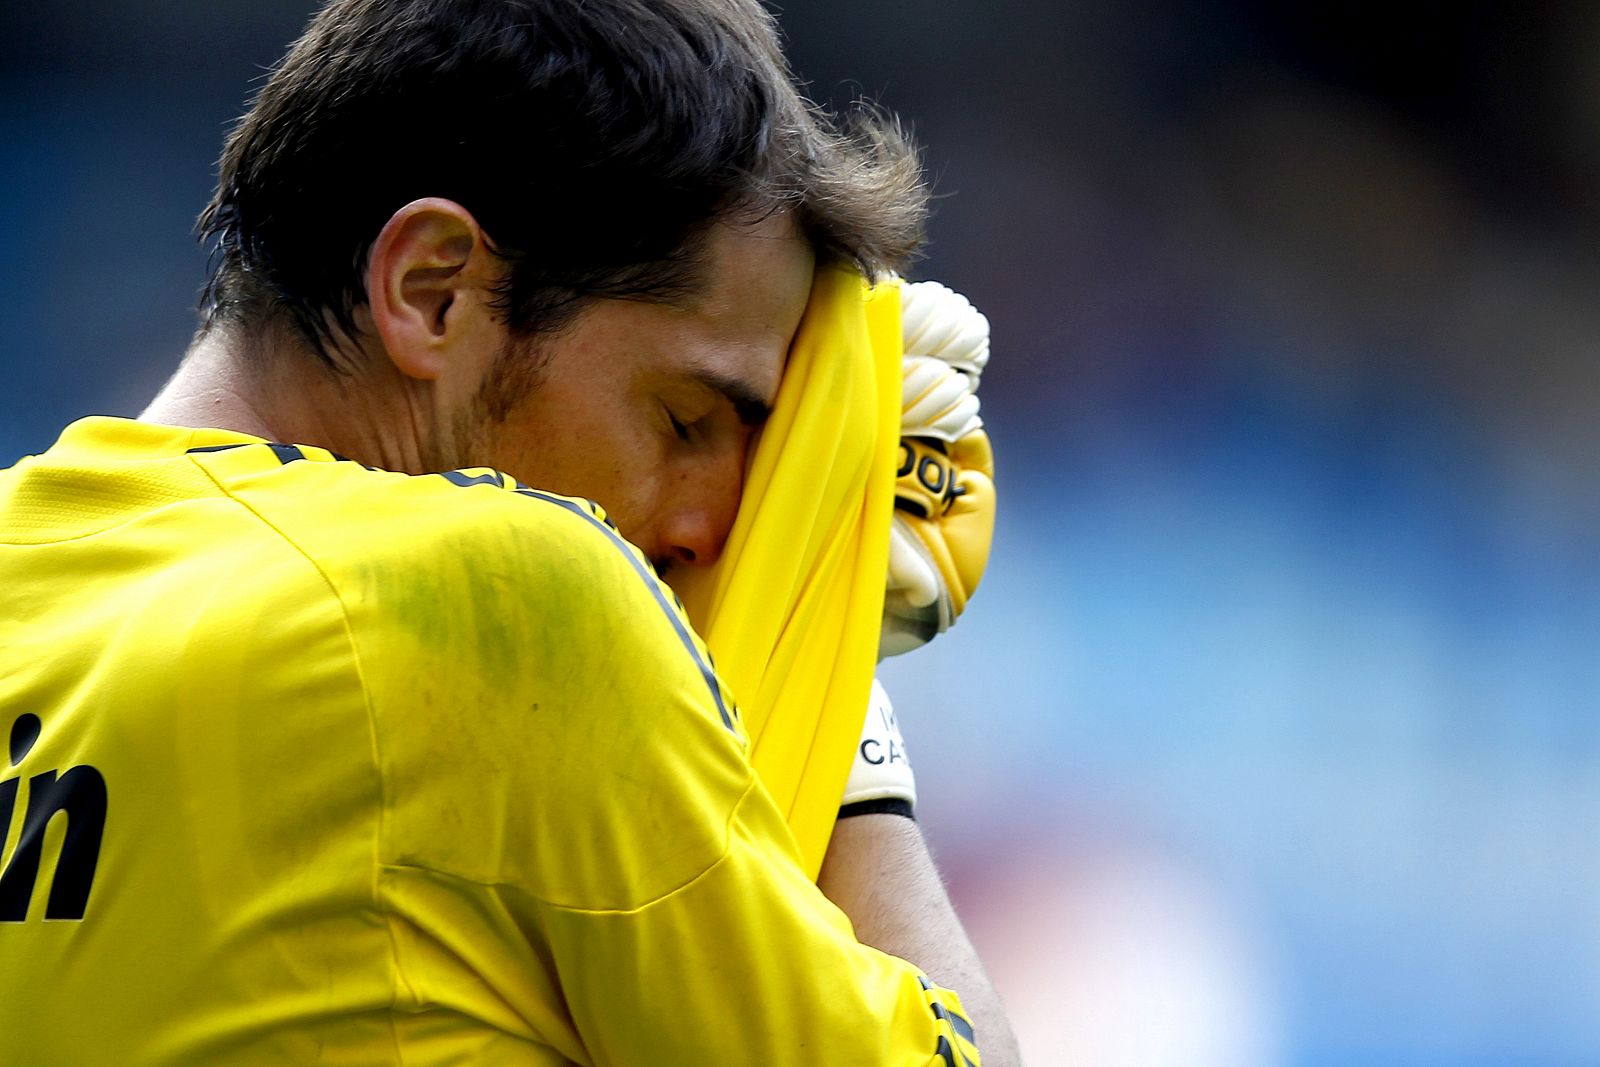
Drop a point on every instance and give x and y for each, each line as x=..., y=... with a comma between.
x=746, y=402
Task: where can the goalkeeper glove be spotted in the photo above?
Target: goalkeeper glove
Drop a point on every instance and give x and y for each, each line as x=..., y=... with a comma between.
x=944, y=492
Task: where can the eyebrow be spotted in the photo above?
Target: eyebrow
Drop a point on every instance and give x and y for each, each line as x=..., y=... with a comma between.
x=752, y=410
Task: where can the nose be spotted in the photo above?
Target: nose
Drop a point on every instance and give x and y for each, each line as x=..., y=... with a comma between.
x=696, y=521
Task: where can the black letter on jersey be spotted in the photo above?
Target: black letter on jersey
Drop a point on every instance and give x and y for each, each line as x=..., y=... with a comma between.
x=81, y=793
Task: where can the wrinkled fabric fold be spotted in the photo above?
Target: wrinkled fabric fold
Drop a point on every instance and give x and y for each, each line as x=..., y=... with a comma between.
x=792, y=610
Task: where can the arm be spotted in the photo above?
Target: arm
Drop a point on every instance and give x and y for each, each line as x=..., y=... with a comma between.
x=880, y=873
x=877, y=868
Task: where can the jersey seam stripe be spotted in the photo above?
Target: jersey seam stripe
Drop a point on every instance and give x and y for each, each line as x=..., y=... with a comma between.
x=957, y=1021
x=395, y=970
x=958, y=1026
x=652, y=583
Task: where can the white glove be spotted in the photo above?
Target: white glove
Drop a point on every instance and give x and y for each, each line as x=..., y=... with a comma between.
x=944, y=497
x=937, y=321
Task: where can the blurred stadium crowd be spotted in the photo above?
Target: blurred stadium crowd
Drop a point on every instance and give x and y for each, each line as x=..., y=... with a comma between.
x=1272, y=736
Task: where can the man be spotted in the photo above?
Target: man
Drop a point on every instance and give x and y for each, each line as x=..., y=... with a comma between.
x=362, y=763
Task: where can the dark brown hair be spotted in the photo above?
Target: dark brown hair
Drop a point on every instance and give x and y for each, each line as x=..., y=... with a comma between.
x=593, y=141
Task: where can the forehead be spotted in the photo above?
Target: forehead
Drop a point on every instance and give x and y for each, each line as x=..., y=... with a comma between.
x=756, y=281
x=734, y=328
x=744, y=255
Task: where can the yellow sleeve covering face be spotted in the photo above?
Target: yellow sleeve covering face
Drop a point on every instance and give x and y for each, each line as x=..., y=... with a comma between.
x=792, y=610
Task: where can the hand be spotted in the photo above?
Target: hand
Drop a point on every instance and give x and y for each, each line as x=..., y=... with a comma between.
x=944, y=495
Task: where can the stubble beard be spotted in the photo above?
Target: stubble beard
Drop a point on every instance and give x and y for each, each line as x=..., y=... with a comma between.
x=517, y=370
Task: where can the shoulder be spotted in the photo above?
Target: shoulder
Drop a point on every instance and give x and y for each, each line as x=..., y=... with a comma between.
x=470, y=561
x=338, y=507
x=531, y=683
x=383, y=536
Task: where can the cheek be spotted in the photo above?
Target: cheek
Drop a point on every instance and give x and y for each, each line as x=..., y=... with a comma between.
x=636, y=488
x=625, y=476
x=568, y=441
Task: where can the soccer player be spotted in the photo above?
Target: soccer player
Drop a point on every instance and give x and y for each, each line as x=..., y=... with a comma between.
x=329, y=742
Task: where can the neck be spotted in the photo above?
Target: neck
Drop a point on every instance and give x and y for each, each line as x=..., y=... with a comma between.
x=269, y=388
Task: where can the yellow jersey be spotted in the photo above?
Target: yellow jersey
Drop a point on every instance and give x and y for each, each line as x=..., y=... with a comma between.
x=311, y=762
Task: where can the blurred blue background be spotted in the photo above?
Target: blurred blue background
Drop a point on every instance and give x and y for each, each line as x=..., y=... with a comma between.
x=1271, y=736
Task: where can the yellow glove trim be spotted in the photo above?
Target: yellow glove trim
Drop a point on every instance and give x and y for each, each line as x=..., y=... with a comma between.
x=945, y=496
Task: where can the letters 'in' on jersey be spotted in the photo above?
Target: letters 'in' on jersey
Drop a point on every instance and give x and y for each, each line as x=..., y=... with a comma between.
x=305, y=759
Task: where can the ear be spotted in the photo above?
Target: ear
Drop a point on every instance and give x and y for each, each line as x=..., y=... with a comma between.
x=425, y=280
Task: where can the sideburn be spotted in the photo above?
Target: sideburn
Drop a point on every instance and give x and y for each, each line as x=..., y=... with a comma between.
x=518, y=368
